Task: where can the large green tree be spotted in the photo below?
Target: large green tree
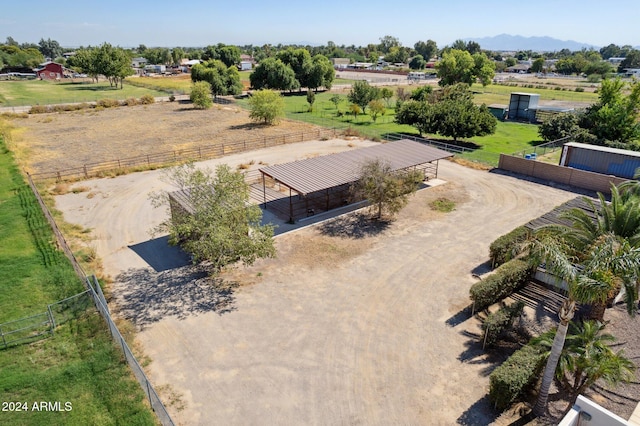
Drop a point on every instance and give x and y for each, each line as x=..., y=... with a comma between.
x=459, y=66
x=362, y=93
x=387, y=191
x=427, y=49
x=615, y=116
x=50, y=48
x=320, y=73
x=224, y=80
x=451, y=114
x=222, y=227
x=273, y=74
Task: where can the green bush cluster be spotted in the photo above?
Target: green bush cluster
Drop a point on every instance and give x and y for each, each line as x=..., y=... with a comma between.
x=501, y=250
x=504, y=281
x=515, y=376
x=500, y=321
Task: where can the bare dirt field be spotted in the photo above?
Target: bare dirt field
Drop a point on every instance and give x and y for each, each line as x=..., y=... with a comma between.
x=59, y=141
x=351, y=324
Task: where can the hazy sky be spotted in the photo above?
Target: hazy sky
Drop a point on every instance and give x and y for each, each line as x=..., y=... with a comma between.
x=201, y=22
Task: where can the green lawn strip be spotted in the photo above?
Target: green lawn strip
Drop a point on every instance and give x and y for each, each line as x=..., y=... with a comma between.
x=80, y=363
x=40, y=92
x=509, y=137
x=500, y=94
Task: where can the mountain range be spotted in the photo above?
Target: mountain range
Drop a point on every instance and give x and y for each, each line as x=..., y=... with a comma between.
x=507, y=42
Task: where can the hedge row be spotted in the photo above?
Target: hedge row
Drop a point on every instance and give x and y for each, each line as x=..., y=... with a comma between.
x=504, y=281
x=501, y=250
x=101, y=103
x=515, y=376
x=499, y=321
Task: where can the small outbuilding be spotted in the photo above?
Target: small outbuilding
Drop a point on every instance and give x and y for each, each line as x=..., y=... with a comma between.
x=600, y=159
x=523, y=106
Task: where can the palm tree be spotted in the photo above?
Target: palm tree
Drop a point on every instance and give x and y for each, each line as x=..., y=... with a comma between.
x=609, y=262
x=620, y=217
x=587, y=357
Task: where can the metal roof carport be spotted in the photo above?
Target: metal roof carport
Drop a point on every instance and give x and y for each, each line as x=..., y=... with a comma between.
x=317, y=174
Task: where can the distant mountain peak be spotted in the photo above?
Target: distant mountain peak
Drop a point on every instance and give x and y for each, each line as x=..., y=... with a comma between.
x=536, y=43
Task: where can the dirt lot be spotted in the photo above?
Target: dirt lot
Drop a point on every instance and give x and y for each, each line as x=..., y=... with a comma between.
x=349, y=325
x=59, y=141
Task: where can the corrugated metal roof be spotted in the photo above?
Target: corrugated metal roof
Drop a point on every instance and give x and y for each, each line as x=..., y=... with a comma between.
x=604, y=149
x=319, y=173
x=554, y=216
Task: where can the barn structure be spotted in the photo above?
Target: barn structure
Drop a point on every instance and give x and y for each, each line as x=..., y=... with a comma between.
x=50, y=71
x=302, y=188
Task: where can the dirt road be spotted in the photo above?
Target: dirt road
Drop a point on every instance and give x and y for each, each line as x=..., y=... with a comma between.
x=371, y=333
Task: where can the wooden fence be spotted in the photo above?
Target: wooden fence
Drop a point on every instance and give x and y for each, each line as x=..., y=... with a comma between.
x=120, y=165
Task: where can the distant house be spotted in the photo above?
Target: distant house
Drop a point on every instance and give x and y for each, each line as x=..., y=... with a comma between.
x=616, y=61
x=519, y=68
x=138, y=62
x=340, y=62
x=50, y=71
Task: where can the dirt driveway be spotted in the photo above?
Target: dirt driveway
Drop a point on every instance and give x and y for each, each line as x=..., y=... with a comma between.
x=347, y=326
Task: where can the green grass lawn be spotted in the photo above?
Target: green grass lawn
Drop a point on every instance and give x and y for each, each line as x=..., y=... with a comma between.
x=40, y=92
x=80, y=363
x=500, y=94
x=509, y=137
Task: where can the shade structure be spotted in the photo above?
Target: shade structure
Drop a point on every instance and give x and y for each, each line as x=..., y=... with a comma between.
x=328, y=171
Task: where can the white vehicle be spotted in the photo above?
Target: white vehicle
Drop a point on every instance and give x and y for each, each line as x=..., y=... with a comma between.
x=416, y=76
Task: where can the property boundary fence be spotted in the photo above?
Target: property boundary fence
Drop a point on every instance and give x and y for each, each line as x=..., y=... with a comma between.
x=43, y=324
x=94, y=290
x=544, y=148
x=103, y=168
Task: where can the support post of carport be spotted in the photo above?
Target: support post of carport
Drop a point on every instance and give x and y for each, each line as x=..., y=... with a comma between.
x=264, y=191
x=437, y=162
x=290, y=207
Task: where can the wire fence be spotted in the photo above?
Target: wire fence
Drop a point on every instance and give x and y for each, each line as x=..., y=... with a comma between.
x=43, y=324
x=543, y=149
x=38, y=323
x=157, y=159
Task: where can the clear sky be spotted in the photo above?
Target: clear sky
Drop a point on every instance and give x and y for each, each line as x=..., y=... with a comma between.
x=201, y=22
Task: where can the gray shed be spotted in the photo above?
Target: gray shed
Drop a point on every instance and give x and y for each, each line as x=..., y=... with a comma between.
x=523, y=106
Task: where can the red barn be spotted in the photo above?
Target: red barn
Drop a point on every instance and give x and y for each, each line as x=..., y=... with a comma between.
x=50, y=71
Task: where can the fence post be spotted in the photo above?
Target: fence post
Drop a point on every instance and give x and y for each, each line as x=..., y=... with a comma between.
x=51, y=318
x=4, y=341
x=84, y=167
x=148, y=162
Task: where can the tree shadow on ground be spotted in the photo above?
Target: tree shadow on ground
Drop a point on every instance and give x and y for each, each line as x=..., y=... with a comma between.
x=354, y=226
x=459, y=317
x=160, y=255
x=482, y=268
x=480, y=413
x=145, y=297
x=248, y=126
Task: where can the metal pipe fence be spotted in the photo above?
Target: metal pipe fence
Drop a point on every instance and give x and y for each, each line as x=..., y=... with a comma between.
x=98, y=299
x=120, y=165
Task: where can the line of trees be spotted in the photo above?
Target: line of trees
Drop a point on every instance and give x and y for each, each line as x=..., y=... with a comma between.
x=114, y=63
x=293, y=69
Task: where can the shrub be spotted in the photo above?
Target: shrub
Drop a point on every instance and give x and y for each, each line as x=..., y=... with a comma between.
x=172, y=98
x=131, y=102
x=39, y=109
x=201, y=95
x=147, y=100
x=579, y=89
x=504, y=281
x=515, y=376
x=500, y=321
x=501, y=250
x=108, y=103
